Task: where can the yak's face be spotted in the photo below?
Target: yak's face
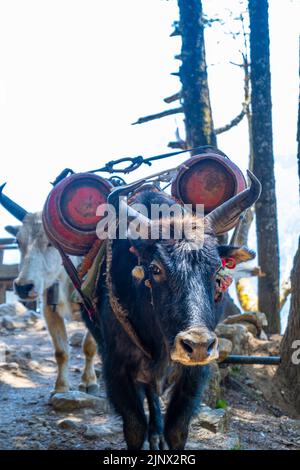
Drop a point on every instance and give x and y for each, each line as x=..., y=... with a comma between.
x=180, y=284
x=40, y=262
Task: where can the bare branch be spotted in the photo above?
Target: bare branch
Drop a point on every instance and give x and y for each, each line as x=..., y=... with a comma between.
x=180, y=144
x=172, y=98
x=168, y=112
x=237, y=65
x=176, y=31
x=232, y=123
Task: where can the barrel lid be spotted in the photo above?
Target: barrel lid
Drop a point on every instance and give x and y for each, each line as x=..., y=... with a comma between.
x=208, y=179
x=80, y=199
x=69, y=214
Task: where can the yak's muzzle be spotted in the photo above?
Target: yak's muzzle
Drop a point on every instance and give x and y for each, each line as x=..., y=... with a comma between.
x=195, y=346
x=25, y=290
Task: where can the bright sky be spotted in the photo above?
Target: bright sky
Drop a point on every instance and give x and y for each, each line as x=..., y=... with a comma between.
x=75, y=74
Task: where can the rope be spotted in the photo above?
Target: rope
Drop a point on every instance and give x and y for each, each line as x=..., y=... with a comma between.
x=134, y=162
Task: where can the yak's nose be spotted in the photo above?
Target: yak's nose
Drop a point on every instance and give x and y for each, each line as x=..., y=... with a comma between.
x=23, y=290
x=195, y=346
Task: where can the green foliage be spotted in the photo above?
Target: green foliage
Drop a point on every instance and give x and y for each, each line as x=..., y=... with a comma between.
x=221, y=404
x=235, y=370
x=237, y=446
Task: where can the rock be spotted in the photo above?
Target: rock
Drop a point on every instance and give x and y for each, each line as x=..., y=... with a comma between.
x=194, y=445
x=212, y=391
x=213, y=420
x=71, y=424
x=225, y=348
x=9, y=323
x=241, y=318
x=251, y=328
x=27, y=353
x=76, y=339
x=93, y=431
x=232, y=443
x=263, y=336
x=12, y=308
x=39, y=325
x=262, y=317
x=35, y=365
x=39, y=446
x=32, y=317
x=75, y=400
x=20, y=357
x=4, y=352
x=269, y=347
x=290, y=425
x=237, y=334
x=254, y=321
x=249, y=381
x=13, y=366
x=108, y=429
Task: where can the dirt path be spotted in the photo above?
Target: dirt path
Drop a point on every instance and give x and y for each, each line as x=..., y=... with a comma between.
x=28, y=421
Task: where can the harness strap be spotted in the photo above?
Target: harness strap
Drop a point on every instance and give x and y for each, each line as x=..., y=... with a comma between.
x=73, y=274
x=120, y=313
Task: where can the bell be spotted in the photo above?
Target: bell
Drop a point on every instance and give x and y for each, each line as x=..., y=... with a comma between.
x=138, y=273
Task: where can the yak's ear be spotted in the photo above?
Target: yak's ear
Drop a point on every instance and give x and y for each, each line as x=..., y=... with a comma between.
x=13, y=229
x=239, y=253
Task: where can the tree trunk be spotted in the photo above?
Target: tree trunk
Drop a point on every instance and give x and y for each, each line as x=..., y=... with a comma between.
x=263, y=163
x=298, y=124
x=287, y=378
x=193, y=75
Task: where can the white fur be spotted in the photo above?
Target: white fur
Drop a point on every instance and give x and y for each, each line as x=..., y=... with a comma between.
x=41, y=266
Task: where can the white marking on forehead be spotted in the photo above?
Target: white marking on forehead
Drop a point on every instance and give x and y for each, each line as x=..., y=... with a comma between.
x=32, y=229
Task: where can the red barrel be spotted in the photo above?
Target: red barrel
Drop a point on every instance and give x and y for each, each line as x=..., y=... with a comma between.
x=208, y=179
x=69, y=214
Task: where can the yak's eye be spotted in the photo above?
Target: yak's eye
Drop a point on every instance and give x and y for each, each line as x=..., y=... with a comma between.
x=155, y=270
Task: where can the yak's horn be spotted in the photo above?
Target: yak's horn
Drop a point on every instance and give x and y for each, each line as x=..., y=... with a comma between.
x=13, y=208
x=220, y=219
x=116, y=199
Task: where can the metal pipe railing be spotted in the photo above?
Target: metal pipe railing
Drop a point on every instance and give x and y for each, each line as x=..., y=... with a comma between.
x=266, y=360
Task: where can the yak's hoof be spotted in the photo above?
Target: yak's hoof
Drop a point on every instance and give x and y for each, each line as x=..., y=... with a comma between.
x=93, y=389
x=59, y=390
x=90, y=389
x=157, y=442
